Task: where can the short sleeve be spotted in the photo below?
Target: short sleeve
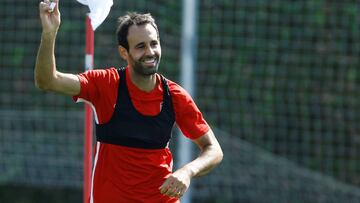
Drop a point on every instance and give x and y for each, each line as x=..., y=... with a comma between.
x=188, y=116
x=98, y=87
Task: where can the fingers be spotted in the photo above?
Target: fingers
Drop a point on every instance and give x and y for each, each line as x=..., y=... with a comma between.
x=165, y=186
x=56, y=8
x=49, y=15
x=179, y=194
x=43, y=7
x=173, y=187
x=49, y=6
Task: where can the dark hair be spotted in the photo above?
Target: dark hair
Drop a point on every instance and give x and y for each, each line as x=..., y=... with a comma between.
x=132, y=18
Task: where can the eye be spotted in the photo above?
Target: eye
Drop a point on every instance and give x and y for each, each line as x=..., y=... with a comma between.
x=140, y=46
x=154, y=43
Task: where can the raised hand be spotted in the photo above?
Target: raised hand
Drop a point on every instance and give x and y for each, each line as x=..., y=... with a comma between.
x=50, y=18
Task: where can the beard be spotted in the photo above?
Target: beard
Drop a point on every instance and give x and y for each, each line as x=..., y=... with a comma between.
x=145, y=70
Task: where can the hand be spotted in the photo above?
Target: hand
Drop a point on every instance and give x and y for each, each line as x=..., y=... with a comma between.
x=50, y=19
x=176, y=184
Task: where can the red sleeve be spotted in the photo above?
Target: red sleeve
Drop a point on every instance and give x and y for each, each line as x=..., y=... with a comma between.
x=188, y=116
x=99, y=88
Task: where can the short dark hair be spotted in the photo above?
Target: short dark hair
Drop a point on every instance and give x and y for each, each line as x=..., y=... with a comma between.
x=132, y=18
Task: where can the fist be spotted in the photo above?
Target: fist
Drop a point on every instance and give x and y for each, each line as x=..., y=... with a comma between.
x=49, y=15
x=176, y=184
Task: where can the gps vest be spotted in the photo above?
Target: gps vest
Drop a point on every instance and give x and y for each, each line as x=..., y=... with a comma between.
x=127, y=127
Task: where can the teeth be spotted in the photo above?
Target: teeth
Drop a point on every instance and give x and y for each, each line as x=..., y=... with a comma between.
x=149, y=60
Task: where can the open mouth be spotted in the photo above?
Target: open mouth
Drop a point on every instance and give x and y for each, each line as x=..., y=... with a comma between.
x=150, y=61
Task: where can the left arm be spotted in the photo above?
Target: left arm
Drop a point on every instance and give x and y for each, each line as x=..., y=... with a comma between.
x=211, y=155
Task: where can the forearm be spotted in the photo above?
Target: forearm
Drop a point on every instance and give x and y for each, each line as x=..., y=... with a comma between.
x=45, y=67
x=209, y=157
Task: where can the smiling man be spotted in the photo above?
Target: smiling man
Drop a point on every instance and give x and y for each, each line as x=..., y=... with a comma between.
x=135, y=110
x=144, y=63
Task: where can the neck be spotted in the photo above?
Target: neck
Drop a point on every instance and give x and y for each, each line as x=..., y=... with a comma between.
x=144, y=83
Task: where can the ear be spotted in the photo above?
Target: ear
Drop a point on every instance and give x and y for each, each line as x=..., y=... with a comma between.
x=123, y=52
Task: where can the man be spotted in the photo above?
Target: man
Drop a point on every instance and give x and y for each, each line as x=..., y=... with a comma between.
x=135, y=110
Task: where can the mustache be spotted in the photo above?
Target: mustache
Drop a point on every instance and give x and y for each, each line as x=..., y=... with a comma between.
x=150, y=57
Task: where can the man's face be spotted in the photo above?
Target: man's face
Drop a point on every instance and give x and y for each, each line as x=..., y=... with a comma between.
x=144, y=49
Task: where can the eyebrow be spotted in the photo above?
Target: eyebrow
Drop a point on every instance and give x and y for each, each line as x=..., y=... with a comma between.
x=143, y=43
x=140, y=44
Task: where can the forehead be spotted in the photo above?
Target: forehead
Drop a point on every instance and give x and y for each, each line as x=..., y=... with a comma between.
x=141, y=33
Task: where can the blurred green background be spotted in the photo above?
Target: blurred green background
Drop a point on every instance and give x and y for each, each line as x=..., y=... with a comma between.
x=277, y=80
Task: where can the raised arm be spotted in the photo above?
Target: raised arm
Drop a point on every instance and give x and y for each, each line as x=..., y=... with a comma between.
x=46, y=75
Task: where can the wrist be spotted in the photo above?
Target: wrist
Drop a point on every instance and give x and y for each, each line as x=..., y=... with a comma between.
x=48, y=35
x=189, y=171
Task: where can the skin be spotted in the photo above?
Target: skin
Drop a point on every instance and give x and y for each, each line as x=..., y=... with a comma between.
x=143, y=59
x=46, y=75
x=143, y=56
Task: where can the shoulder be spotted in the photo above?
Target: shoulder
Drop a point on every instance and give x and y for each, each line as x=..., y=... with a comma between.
x=101, y=73
x=177, y=90
x=99, y=76
x=180, y=97
x=188, y=116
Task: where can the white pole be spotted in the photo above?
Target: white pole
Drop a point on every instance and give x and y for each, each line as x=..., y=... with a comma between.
x=188, y=57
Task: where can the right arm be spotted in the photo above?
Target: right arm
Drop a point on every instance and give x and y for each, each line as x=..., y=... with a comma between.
x=46, y=75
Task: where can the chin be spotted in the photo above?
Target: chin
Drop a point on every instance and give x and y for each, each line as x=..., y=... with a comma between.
x=151, y=71
x=144, y=70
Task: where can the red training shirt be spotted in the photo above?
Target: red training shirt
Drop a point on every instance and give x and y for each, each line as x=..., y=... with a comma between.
x=126, y=174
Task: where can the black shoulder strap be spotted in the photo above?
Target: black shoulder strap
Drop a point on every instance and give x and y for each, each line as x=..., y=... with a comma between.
x=122, y=75
x=165, y=85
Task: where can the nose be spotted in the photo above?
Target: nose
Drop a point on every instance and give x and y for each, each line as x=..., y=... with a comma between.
x=149, y=51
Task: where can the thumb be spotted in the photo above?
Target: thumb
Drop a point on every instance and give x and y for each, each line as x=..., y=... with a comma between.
x=56, y=9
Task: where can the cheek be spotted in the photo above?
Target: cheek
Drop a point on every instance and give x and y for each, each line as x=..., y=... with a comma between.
x=158, y=51
x=136, y=55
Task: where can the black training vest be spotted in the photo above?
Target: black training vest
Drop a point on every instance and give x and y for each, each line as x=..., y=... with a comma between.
x=128, y=127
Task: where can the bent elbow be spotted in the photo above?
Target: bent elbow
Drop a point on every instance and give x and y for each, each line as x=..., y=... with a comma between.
x=220, y=155
x=41, y=84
